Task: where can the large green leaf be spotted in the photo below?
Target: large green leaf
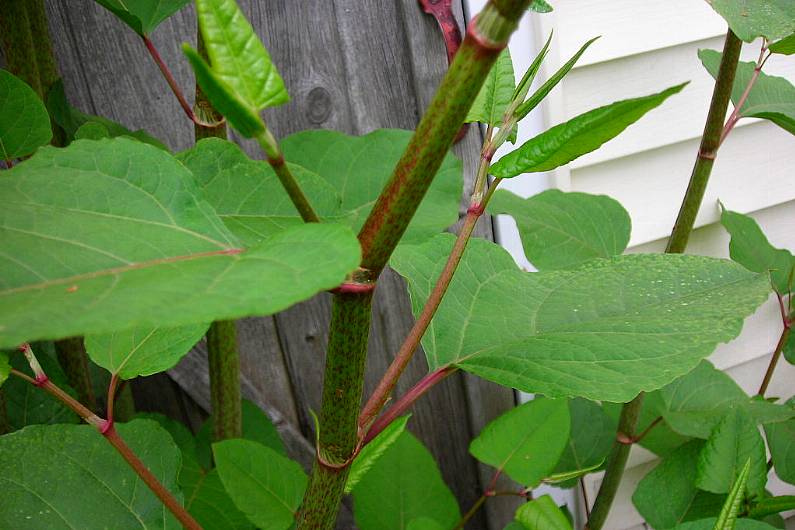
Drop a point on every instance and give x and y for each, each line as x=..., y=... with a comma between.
x=143, y=16
x=591, y=436
x=403, y=485
x=122, y=238
x=771, y=98
x=211, y=506
x=750, y=248
x=143, y=351
x=24, y=123
x=358, y=167
x=247, y=194
x=29, y=405
x=238, y=57
x=263, y=484
x=526, y=442
x=749, y=19
x=424, y=523
x=495, y=94
x=71, y=120
x=694, y=404
x=781, y=441
x=731, y=444
x=682, y=500
x=580, y=135
x=709, y=524
x=68, y=476
x=561, y=230
x=604, y=331
x=374, y=450
x=542, y=514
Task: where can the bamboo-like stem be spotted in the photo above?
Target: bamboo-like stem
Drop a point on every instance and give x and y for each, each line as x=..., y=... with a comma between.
x=108, y=431
x=224, y=365
x=19, y=43
x=486, y=36
x=771, y=367
x=708, y=149
x=73, y=359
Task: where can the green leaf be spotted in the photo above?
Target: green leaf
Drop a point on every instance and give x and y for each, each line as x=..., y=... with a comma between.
x=781, y=441
x=540, y=6
x=694, y=404
x=580, y=135
x=71, y=120
x=48, y=469
x=424, y=523
x=591, y=436
x=263, y=484
x=143, y=16
x=772, y=505
x=211, y=506
x=5, y=367
x=543, y=91
x=682, y=500
x=728, y=515
x=29, y=405
x=137, y=246
x=749, y=19
x=256, y=427
x=732, y=442
x=785, y=46
x=24, y=123
x=403, y=485
x=143, y=351
x=358, y=167
x=527, y=441
x=771, y=98
x=604, y=331
x=789, y=349
x=542, y=514
x=496, y=93
x=238, y=56
x=750, y=248
x=374, y=450
x=562, y=230
x=248, y=196
x=709, y=524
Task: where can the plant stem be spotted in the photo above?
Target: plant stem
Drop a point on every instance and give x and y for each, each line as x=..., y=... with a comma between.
x=19, y=44
x=74, y=361
x=782, y=341
x=708, y=149
x=276, y=160
x=735, y=115
x=108, y=430
x=616, y=462
x=470, y=513
x=407, y=400
x=172, y=83
x=487, y=35
x=224, y=365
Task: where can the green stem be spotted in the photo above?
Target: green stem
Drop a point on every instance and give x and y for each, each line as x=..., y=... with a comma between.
x=222, y=345
x=74, y=361
x=338, y=433
x=710, y=142
x=224, y=361
x=708, y=150
x=782, y=341
x=486, y=36
x=45, y=59
x=471, y=513
x=19, y=44
x=291, y=186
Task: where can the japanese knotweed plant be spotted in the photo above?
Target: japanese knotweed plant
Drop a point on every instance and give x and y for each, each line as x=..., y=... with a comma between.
x=132, y=254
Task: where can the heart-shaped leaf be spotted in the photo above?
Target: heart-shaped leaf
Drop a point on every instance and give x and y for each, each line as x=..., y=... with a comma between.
x=604, y=331
x=24, y=123
x=542, y=514
x=591, y=436
x=561, y=230
x=143, y=16
x=138, y=246
x=749, y=19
